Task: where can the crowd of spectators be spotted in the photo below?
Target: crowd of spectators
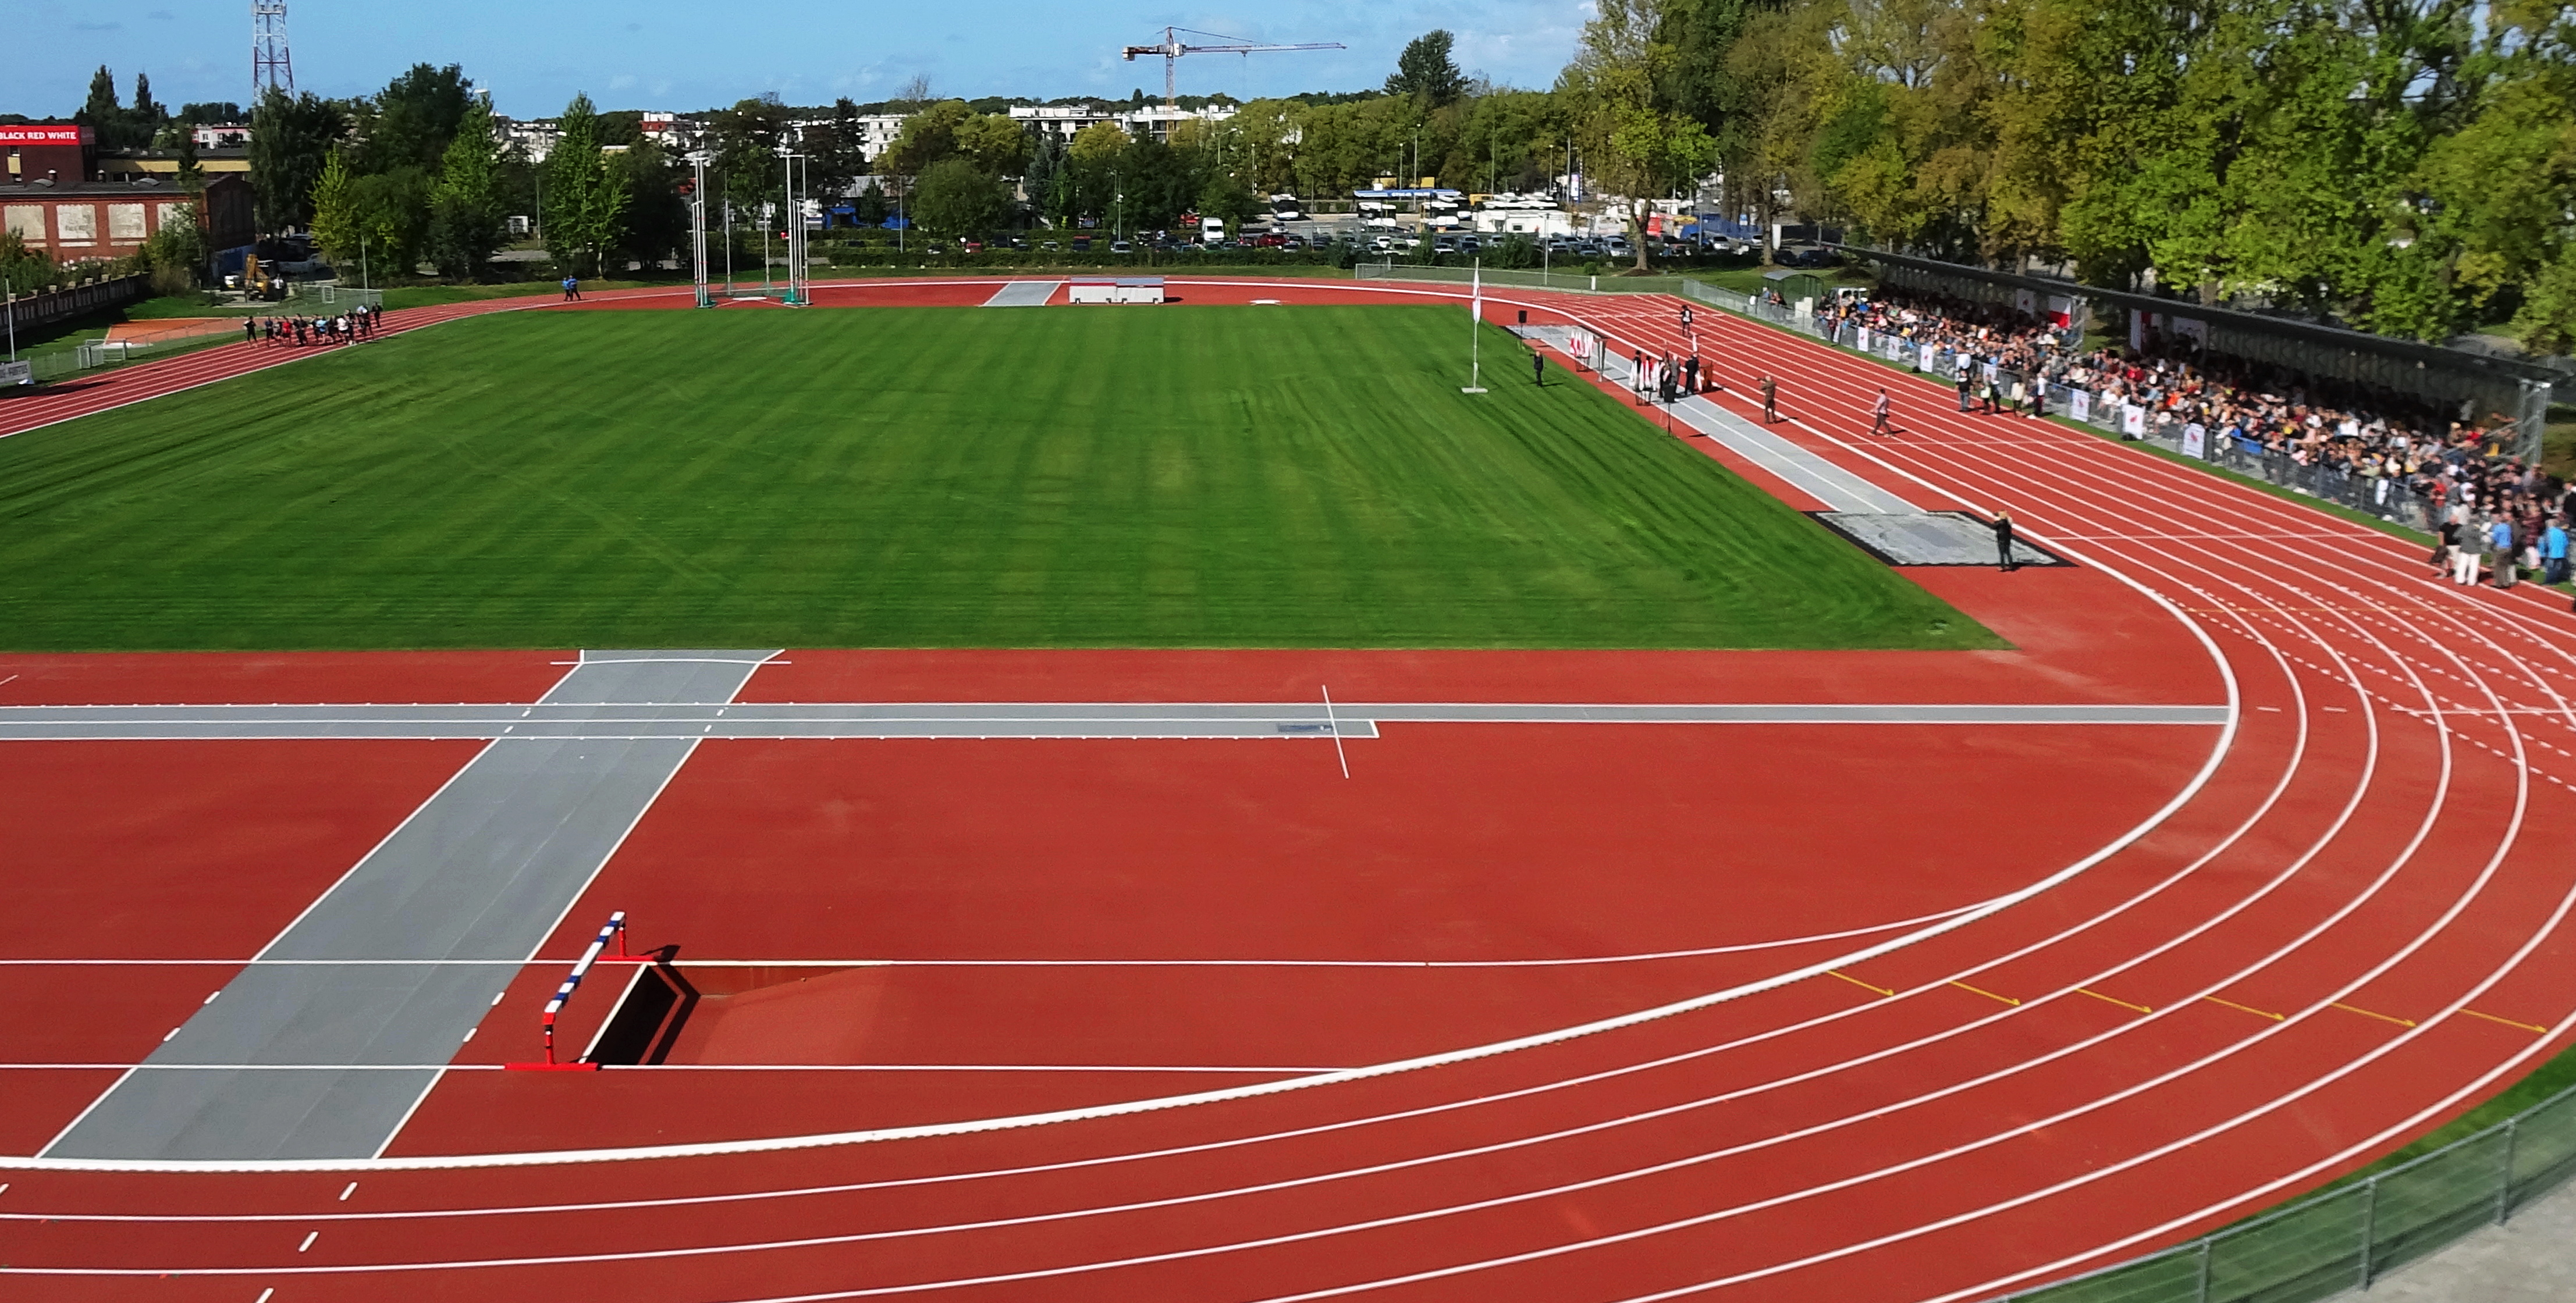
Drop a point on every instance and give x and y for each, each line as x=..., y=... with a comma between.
x=2463, y=473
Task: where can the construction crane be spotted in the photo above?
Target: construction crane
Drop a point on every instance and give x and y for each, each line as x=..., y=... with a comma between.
x=1173, y=48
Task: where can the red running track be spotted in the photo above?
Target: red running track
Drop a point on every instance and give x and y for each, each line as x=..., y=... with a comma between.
x=2345, y=935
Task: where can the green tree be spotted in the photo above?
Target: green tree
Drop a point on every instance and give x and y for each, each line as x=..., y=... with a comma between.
x=955, y=197
x=1636, y=147
x=176, y=252
x=657, y=216
x=414, y=117
x=147, y=114
x=585, y=200
x=927, y=137
x=1426, y=72
x=336, y=223
x=465, y=219
x=994, y=142
x=290, y=139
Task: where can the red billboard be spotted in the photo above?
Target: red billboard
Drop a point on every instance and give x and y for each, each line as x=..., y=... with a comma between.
x=44, y=135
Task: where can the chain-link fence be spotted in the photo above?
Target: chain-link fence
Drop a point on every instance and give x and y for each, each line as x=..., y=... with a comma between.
x=2352, y=1235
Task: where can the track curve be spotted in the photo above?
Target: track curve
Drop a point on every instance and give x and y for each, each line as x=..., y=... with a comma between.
x=2323, y=950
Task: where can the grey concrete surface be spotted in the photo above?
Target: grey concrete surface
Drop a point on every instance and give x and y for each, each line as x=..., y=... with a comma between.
x=627, y=721
x=1931, y=538
x=1838, y=489
x=2531, y=1259
x=1023, y=294
x=481, y=871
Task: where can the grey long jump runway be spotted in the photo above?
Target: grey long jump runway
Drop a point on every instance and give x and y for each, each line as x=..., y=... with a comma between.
x=481, y=871
x=554, y=719
x=1838, y=489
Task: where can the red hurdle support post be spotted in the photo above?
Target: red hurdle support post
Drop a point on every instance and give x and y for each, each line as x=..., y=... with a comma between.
x=616, y=927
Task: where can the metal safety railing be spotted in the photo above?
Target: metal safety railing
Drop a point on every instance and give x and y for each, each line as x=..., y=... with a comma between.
x=2350, y=1236
x=1572, y=282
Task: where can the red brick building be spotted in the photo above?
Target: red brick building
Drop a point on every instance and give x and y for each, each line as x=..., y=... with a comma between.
x=52, y=199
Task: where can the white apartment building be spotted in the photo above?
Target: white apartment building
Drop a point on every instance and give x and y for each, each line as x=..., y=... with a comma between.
x=1062, y=121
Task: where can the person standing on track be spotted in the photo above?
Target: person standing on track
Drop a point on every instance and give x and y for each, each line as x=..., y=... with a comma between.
x=1878, y=414
x=2508, y=567
x=1964, y=381
x=2553, y=551
x=2003, y=542
x=2464, y=557
x=1770, y=400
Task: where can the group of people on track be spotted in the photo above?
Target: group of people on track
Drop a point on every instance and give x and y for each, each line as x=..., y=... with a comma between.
x=295, y=332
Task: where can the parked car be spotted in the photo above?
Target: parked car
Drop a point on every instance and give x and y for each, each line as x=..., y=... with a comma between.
x=1082, y=244
x=1444, y=244
x=971, y=246
x=1049, y=246
x=1382, y=244
x=1121, y=246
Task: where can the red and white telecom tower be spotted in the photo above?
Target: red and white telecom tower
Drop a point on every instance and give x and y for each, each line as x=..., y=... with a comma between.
x=271, y=67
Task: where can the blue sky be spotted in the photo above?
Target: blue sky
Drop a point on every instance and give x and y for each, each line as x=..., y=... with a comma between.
x=534, y=54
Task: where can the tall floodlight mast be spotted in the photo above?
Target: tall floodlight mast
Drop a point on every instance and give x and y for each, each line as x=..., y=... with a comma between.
x=1173, y=47
x=271, y=66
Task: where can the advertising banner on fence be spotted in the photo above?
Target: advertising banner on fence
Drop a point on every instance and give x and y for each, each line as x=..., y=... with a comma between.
x=2081, y=406
x=17, y=373
x=2133, y=421
x=2195, y=439
x=1864, y=339
x=1927, y=359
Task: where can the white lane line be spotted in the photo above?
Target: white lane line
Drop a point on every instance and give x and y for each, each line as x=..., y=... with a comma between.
x=870, y=962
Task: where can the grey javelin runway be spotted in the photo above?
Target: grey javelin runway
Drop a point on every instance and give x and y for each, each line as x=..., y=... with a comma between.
x=637, y=720
x=1838, y=489
x=481, y=871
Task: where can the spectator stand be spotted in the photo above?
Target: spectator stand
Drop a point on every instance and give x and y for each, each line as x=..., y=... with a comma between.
x=2471, y=385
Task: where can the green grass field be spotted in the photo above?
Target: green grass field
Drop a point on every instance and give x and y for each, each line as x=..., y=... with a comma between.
x=1201, y=476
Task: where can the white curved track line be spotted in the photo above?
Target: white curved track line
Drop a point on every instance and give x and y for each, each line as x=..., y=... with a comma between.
x=2209, y=766
x=1518, y=1142
x=2227, y=734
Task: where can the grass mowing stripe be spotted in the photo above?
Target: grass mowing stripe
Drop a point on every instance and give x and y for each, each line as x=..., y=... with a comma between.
x=1201, y=476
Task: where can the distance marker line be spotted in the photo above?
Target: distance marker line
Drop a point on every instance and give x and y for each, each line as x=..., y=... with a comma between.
x=2113, y=1000
x=1859, y=983
x=2506, y=1021
x=2244, y=1008
x=1988, y=994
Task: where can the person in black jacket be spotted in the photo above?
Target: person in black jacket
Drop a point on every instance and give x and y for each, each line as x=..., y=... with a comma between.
x=2003, y=542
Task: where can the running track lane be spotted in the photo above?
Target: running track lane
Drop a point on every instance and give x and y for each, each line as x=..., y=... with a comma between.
x=2365, y=850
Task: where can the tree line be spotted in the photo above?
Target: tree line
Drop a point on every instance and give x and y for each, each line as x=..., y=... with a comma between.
x=2404, y=166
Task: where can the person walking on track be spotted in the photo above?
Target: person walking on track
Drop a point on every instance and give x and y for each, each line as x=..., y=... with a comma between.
x=1878, y=414
x=1964, y=381
x=1770, y=400
x=2003, y=542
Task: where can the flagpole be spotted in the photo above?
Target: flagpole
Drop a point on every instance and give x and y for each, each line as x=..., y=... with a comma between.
x=1475, y=339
